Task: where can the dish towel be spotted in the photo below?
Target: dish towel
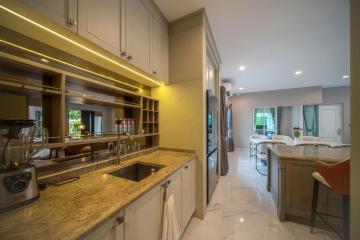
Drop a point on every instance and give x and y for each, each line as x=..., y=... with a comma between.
x=170, y=224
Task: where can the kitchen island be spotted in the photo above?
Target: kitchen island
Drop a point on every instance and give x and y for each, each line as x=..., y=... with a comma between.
x=290, y=180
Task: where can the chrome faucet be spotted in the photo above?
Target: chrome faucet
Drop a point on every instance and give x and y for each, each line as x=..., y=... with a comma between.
x=125, y=147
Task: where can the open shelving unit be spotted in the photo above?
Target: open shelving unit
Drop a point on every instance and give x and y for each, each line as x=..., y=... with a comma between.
x=150, y=115
x=57, y=90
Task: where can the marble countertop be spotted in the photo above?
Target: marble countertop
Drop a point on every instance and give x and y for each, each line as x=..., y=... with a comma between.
x=311, y=153
x=71, y=210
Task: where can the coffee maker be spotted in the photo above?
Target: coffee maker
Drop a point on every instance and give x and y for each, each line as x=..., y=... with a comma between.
x=18, y=180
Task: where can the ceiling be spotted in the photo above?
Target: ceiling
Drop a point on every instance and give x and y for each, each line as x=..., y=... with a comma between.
x=275, y=38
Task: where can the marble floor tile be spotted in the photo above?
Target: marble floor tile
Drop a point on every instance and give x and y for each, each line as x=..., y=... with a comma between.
x=241, y=208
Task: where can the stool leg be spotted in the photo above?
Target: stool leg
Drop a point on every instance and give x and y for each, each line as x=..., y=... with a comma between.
x=314, y=205
x=346, y=214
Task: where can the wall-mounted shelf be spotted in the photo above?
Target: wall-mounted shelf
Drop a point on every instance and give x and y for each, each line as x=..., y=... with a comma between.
x=86, y=99
x=150, y=115
x=11, y=83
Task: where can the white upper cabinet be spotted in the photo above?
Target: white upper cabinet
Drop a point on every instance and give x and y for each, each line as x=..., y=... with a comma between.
x=138, y=32
x=63, y=12
x=160, y=51
x=100, y=22
x=133, y=30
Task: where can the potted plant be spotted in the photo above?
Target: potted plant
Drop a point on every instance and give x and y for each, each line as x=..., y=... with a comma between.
x=297, y=134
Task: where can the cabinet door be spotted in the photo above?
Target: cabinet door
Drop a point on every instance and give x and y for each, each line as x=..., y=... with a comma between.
x=138, y=26
x=188, y=196
x=113, y=229
x=175, y=188
x=143, y=217
x=100, y=22
x=160, y=51
x=63, y=12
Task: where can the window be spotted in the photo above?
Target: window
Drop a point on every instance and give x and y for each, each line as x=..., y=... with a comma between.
x=98, y=124
x=74, y=123
x=35, y=113
x=264, y=121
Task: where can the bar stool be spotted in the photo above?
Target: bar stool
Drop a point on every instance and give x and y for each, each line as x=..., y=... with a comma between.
x=337, y=178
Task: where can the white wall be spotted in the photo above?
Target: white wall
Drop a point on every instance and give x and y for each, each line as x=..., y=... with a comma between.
x=290, y=118
x=340, y=95
x=243, y=105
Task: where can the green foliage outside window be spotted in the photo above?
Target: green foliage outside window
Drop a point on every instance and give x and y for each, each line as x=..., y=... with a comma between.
x=74, y=123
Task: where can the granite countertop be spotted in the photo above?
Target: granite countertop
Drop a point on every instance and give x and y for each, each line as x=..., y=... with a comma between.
x=311, y=153
x=71, y=210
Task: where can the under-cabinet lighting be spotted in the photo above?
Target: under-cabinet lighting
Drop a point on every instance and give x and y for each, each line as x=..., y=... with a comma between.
x=68, y=64
x=241, y=88
x=78, y=44
x=44, y=60
x=345, y=77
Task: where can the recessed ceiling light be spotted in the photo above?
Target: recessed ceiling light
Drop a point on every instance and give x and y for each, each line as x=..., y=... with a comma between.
x=241, y=88
x=44, y=60
x=345, y=77
x=298, y=72
x=242, y=67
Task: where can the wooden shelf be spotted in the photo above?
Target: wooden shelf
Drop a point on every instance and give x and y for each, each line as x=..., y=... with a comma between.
x=80, y=98
x=21, y=85
x=92, y=140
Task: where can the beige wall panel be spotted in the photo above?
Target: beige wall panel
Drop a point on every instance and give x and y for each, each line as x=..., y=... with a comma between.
x=355, y=119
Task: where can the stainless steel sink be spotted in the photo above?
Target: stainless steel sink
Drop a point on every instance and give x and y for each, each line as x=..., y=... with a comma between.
x=136, y=171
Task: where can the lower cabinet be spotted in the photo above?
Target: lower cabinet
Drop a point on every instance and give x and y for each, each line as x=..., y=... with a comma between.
x=113, y=229
x=188, y=192
x=143, y=217
x=175, y=188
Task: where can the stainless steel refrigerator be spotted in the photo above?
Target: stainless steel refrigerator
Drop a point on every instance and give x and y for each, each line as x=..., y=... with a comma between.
x=212, y=142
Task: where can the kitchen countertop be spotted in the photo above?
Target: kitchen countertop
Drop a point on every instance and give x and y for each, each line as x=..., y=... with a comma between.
x=311, y=153
x=71, y=210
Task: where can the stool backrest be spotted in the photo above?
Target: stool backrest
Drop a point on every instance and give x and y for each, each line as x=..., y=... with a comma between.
x=288, y=140
x=337, y=175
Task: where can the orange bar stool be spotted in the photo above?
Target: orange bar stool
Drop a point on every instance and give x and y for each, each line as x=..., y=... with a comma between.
x=337, y=178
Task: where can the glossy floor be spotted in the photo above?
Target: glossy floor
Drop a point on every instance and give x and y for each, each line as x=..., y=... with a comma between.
x=241, y=208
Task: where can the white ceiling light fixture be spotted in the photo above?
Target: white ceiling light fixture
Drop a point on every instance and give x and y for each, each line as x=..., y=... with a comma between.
x=242, y=67
x=345, y=77
x=241, y=88
x=298, y=72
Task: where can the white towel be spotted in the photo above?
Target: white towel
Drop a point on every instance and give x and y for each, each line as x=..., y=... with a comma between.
x=170, y=224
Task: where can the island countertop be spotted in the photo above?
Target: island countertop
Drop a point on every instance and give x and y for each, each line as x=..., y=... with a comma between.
x=290, y=181
x=71, y=210
x=313, y=153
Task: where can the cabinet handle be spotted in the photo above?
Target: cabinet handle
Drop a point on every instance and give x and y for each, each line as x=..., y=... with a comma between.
x=129, y=57
x=186, y=167
x=154, y=72
x=168, y=182
x=120, y=220
x=123, y=54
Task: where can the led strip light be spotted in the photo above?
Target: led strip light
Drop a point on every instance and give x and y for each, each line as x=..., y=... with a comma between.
x=78, y=44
